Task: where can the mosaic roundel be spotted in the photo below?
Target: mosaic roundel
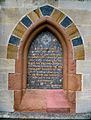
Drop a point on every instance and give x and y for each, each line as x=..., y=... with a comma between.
x=45, y=62
x=59, y=17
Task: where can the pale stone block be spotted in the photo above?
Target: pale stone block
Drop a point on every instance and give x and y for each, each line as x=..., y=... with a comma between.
x=86, y=34
x=83, y=102
x=83, y=66
x=6, y=100
x=68, y=4
x=83, y=106
x=30, y=3
x=7, y=65
x=3, y=81
x=16, y=3
x=75, y=4
x=87, y=42
x=5, y=30
x=80, y=17
x=85, y=31
x=86, y=82
x=3, y=51
x=42, y=2
x=10, y=15
x=9, y=3
x=83, y=95
x=88, y=53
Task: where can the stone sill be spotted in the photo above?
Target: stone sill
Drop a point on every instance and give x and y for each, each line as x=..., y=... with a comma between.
x=40, y=115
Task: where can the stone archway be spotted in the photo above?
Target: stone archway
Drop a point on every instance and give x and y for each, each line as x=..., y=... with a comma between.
x=71, y=79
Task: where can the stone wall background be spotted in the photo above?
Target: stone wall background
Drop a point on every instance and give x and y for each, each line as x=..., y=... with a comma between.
x=10, y=13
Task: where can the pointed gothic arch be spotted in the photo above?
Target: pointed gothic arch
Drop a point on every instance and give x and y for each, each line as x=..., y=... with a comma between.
x=24, y=33
x=45, y=22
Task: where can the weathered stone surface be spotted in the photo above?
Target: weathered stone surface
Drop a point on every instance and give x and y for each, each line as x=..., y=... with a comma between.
x=12, y=51
x=57, y=101
x=83, y=101
x=72, y=31
x=75, y=4
x=14, y=82
x=33, y=16
x=7, y=65
x=79, y=11
x=5, y=30
x=79, y=52
x=8, y=3
x=3, y=81
x=33, y=100
x=52, y=2
x=42, y=115
x=44, y=100
x=85, y=31
x=3, y=51
x=88, y=52
x=83, y=66
x=8, y=15
x=6, y=100
x=29, y=3
x=74, y=82
x=57, y=15
x=80, y=17
x=71, y=96
x=17, y=99
x=19, y=30
x=86, y=85
x=83, y=94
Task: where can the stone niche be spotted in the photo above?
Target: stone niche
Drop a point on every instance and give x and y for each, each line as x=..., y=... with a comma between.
x=43, y=45
x=45, y=62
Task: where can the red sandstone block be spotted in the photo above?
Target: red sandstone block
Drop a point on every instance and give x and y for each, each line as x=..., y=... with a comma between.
x=44, y=101
x=72, y=66
x=71, y=96
x=74, y=82
x=18, y=65
x=33, y=100
x=14, y=82
x=17, y=99
x=57, y=101
x=58, y=110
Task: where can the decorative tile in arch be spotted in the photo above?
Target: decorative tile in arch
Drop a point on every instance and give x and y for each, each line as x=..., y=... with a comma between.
x=56, y=15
